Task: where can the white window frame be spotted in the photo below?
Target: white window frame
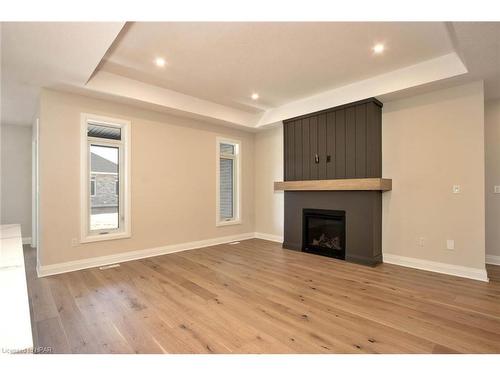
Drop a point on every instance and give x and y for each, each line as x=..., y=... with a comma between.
x=124, y=227
x=236, y=182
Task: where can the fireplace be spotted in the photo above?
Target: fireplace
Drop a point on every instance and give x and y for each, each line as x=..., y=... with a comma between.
x=332, y=163
x=324, y=232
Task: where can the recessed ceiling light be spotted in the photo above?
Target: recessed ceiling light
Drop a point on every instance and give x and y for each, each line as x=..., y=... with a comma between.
x=378, y=48
x=160, y=61
x=255, y=96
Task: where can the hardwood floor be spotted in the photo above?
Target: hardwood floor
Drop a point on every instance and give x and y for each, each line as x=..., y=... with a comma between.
x=255, y=297
x=493, y=272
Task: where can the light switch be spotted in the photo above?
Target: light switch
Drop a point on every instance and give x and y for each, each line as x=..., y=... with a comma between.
x=496, y=189
x=456, y=189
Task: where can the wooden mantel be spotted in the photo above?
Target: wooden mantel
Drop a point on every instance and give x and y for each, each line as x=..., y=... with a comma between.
x=382, y=184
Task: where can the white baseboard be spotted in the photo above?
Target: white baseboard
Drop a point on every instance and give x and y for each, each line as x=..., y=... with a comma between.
x=38, y=266
x=269, y=237
x=26, y=240
x=493, y=259
x=427, y=265
x=54, y=269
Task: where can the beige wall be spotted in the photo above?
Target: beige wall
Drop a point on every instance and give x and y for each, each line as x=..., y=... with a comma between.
x=16, y=177
x=492, y=146
x=269, y=207
x=172, y=178
x=430, y=143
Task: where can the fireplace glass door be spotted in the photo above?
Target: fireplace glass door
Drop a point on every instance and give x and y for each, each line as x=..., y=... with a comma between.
x=324, y=232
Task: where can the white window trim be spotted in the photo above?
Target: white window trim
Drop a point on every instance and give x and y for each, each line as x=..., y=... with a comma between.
x=237, y=180
x=124, y=230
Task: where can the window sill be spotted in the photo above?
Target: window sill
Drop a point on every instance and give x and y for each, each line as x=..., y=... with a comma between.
x=105, y=237
x=229, y=222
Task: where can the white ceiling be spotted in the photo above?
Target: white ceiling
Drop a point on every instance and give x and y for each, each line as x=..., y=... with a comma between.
x=479, y=43
x=283, y=62
x=47, y=54
x=212, y=68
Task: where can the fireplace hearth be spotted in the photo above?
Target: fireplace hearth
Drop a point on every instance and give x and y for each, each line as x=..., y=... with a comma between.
x=324, y=232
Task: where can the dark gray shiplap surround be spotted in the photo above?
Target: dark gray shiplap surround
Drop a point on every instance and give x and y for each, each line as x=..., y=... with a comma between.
x=341, y=142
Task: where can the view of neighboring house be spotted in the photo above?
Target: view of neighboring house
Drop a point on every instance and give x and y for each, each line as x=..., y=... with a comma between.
x=104, y=187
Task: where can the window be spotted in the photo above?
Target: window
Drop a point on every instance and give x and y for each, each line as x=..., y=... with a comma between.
x=105, y=200
x=228, y=182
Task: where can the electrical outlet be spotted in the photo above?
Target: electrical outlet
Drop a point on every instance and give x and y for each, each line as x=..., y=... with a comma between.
x=456, y=189
x=496, y=189
x=421, y=242
x=74, y=242
x=450, y=244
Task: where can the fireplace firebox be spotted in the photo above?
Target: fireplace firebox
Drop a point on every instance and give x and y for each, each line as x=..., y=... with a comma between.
x=324, y=232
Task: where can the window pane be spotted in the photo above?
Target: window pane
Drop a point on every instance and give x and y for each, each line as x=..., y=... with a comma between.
x=106, y=132
x=226, y=188
x=226, y=149
x=104, y=204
